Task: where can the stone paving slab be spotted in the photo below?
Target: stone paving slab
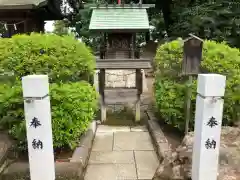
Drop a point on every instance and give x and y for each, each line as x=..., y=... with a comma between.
x=104, y=128
x=120, y=157
x=103, y=142
x=147, y=163
x=111, y=172
x=122, y=153
x=132, y=141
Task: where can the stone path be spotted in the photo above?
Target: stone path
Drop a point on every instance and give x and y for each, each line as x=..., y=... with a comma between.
x=122, y=153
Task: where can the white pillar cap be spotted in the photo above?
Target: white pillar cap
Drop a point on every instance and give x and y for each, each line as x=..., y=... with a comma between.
x=211, y=85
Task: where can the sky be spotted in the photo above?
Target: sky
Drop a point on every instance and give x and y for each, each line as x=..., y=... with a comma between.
x=49, y=26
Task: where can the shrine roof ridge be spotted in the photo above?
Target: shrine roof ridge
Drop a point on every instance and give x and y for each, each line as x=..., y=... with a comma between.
x=191, y=36
x=119, y=6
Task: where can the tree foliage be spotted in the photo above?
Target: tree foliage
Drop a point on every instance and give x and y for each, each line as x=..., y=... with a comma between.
x=216, y=20
x=210, y=19
x=75, y=5
x=60, y=28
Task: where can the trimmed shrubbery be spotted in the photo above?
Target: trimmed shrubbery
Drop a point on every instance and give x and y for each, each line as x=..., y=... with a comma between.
x=69, y=64
x=73, y=107
x=62, y=58
x=170, y=88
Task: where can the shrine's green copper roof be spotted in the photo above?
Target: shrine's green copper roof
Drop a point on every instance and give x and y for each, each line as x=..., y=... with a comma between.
x=125, y=19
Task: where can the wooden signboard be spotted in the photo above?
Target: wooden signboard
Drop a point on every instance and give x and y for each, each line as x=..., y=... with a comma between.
x=192, y=55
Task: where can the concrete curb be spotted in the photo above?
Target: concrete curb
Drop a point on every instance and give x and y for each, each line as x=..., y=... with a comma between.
x=163, y=148
x=5, y=148
x=82, y=152
x=71, y=170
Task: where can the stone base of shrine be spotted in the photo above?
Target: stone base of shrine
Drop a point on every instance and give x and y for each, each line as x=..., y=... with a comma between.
x=120, y=78
x=126, y=79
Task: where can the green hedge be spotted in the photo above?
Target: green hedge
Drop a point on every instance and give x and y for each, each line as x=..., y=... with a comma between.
x=68, y=63
x=62, y=58
x=170, y=88
x=73, y=107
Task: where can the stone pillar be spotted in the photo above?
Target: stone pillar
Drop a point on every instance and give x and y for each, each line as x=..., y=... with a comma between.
x=138, y=109
x=144, y=81
x=96, y=80
x=38, y=126
x=207, y=130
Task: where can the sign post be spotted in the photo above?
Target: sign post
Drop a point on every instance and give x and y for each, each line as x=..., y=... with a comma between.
x=38, y=127
x=207, y=130
x=192, y=57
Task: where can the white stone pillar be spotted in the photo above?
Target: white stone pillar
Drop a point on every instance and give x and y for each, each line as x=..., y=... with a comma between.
x=38, y=126
x=207, y=130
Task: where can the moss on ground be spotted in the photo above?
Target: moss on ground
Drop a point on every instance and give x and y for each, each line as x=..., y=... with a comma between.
x=125, y=117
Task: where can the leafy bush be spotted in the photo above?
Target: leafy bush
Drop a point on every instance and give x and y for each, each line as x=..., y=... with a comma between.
x=170, y=88
x=62, y=58
x=73, y=108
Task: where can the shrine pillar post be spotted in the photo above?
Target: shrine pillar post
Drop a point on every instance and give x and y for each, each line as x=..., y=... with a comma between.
x=139, y=86
x=96, y=84
x=101, y=87
x=38, y=126
x=208, y=122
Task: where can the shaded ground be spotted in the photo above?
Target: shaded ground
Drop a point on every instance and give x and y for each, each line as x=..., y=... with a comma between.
x=5, y=147
x=173, y=135
x=124, y=118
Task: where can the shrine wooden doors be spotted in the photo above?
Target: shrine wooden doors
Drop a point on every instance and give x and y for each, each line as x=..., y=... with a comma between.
x=119, y=46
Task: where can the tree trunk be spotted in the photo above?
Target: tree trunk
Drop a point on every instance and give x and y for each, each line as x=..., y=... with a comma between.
x=165, y=6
